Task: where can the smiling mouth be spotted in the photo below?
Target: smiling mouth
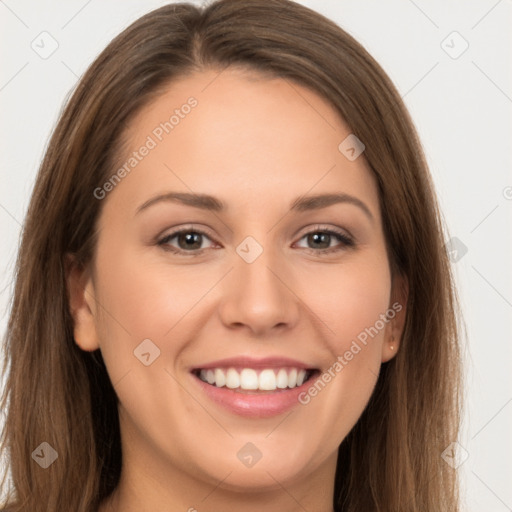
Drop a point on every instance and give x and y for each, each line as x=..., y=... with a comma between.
x=255, y=380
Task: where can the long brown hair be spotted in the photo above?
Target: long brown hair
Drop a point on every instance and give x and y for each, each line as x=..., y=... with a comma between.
x=391, y=460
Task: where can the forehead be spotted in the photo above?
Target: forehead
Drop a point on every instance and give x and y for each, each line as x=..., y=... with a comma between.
x=221, y=132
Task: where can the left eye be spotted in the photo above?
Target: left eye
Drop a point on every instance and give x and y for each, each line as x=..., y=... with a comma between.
x=324, y=237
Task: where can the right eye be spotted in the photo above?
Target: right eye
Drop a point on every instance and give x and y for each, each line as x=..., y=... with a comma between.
x=188, y=241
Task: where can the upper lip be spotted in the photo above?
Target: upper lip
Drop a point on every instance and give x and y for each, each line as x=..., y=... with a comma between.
x=252, y=362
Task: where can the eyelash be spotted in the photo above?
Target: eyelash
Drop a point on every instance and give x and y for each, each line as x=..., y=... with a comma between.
x=346, y=241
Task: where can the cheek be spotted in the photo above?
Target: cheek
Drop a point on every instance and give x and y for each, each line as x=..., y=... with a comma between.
x=146, y=299
x=349, y=302
x=349, y=299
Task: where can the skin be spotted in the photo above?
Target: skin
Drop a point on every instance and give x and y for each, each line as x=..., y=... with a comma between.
x=256, y=144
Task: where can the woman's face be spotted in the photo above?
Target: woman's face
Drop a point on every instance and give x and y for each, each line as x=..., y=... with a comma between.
x=265, y=282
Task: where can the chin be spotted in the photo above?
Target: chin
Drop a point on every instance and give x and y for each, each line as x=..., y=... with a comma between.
x=283, y=466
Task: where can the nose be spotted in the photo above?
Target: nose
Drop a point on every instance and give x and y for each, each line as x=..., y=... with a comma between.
x=259, y=296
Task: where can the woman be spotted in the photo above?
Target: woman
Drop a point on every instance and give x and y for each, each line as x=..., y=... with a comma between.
x=178, y=339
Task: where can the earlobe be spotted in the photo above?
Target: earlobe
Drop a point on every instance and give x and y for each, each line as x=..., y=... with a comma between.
x=81, y=304
x=398, y=305
x=389, y=349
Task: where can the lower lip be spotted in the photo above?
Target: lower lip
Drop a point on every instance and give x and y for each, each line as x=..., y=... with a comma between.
x=262, y=405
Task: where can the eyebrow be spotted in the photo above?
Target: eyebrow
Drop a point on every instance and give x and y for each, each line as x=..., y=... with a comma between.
x=301, y=204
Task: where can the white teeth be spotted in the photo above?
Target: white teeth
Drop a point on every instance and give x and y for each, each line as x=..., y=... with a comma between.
x=220, y=378
x=210, y=376
x=232, y=379
x=248, y=379
x=292, y=378
x=282, y=379
x=266, y=380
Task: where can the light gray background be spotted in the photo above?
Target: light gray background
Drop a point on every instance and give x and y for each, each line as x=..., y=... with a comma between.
x=461, y=106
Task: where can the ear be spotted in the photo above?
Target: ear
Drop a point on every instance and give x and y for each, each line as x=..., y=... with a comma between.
x=82, y=304
x=397, y=313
